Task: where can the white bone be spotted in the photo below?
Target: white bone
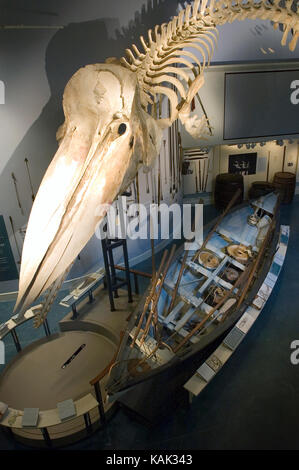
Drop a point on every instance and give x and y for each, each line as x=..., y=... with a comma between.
x=195, y=9
x=100, y=97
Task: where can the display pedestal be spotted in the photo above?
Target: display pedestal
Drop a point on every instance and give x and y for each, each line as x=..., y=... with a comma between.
x=113, y=281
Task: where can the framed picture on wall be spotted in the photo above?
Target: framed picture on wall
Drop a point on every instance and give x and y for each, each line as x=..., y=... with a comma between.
x=242, y=163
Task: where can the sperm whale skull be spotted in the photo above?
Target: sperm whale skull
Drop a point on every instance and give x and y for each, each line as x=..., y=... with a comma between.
x=106, y=136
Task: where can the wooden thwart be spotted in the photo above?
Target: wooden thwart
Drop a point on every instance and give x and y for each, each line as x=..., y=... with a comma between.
x=213, y=310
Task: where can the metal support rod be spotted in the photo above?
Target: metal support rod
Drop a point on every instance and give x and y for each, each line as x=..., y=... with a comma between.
x=98, y=394
x=46, y=436
x=136, y=284
x=90, y=296
x=111, y=265
x=87, y=420
x=108, y=279
x=74, y=309
x=46, y=327
x=10, y=433
x=16, y=340
x=126, y=260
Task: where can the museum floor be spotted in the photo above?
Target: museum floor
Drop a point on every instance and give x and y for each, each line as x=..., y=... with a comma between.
x=251, y=404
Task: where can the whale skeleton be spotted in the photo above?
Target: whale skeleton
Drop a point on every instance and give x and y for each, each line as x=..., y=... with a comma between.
x=110, y=131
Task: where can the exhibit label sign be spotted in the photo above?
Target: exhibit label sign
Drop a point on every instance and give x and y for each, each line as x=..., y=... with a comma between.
x=8, y=269
x=261, y=104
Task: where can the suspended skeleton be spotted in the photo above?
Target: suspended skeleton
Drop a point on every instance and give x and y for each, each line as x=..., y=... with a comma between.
x=109, y=133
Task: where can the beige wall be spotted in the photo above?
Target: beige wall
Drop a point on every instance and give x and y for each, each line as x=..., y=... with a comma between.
x=269, y=160
x=269, y=155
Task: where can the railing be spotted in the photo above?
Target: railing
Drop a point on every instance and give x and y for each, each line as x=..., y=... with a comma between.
x=10, y=326
x=49, y=418
x=96, y=381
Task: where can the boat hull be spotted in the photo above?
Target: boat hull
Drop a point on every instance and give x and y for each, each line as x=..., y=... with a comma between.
x=164, y=382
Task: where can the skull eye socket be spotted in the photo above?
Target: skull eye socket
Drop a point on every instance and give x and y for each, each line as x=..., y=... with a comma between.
x=122, y=128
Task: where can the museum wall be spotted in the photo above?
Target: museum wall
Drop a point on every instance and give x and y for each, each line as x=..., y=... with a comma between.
x=270, y=158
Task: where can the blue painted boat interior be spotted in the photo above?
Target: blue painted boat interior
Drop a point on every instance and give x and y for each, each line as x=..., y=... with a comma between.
x=253, y=400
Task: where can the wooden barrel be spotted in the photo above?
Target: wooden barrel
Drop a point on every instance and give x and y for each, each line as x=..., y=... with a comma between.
x=225, y=188
x=260, y=188
x=285, y=182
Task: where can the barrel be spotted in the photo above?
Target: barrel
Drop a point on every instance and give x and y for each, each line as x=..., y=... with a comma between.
x=225, y=187
x=285, y=182
x=260, y=188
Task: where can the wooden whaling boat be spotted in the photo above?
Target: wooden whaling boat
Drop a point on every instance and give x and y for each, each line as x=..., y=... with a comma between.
x=195, y=299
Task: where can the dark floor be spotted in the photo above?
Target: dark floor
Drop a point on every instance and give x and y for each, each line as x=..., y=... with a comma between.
x=253, y=401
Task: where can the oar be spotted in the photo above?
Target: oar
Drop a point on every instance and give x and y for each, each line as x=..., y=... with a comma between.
x=149, y=298
x=175, y=290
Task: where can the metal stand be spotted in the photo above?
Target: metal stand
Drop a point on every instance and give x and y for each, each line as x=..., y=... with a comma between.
x=46, y=328
x=114, y=282
x=87, y=422
x=46, y=436
x=16, y=340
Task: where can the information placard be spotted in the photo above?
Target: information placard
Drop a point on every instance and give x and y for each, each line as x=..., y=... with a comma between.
x=8, y=269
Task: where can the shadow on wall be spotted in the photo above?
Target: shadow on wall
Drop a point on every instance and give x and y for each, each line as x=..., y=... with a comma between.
x=70, y=48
